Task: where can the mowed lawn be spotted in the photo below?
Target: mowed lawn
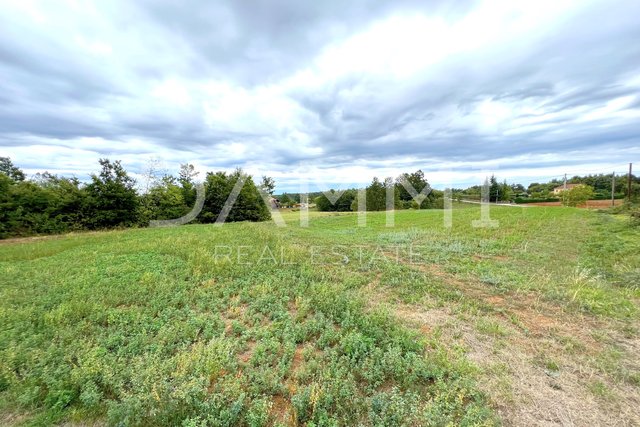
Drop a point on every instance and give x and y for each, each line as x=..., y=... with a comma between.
x=534, y=322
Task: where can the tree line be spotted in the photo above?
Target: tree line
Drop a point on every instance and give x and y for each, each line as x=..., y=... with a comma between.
x=600, y=185
x=49, y=204
x=399, y=191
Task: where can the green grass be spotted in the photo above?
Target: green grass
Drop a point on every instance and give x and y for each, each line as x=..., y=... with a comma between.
x=201, y=325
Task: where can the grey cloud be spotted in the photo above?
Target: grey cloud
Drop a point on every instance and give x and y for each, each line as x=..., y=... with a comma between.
x=52, y=89
x=262, y=40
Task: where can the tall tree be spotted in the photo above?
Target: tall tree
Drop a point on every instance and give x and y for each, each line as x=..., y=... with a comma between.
x=186, y=178
x=505, y=192
x=494, y=189
x=165, y=199
x=248, y=206
x=285, y=200
x=417, y=181
x=7, y=168
x=111, y=197
x=268, y=185
x=376, y=196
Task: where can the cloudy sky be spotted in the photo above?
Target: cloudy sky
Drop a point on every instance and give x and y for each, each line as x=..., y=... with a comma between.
x=339, y=90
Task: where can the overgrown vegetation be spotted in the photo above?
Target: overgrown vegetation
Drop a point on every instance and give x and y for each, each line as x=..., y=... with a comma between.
x=48, y=204
x=199, y=325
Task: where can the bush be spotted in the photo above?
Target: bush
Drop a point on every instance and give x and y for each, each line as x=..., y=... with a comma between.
x=47, y=205
x=576, y=196
x=535, y=200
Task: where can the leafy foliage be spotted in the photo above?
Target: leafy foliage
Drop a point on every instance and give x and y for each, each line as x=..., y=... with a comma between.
x=111, y=198
x=424, y=199
x=47, y=204
x=7, y=168
x=248, y=206
x=576, y=196
x=340, y=201
x=165, y=200
x=376, y=195
x=267, y=185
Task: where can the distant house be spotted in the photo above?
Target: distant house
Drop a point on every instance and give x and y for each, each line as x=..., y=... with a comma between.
x=561, y=188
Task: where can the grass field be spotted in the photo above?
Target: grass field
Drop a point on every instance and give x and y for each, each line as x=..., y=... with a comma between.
x=535, y=322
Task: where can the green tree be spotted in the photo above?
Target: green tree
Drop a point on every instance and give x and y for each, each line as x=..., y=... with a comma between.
x=248, y=206
x=66, y=198
x=542, y=191
x=577, y=195
x=285, y=200
x=267, y=185
x=165, y=200
x=7, y=168
x=494, y=189
x=505, y=192
x=418, y=181
x=186, y=178
x=6, y=204
x=44, y=205
x=111, y=197
x=376, y=195
x=518, y=188
x=341, y=204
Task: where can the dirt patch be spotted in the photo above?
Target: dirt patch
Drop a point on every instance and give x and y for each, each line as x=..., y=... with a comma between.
x=13, y=419
x=245, y=356
x=537, y=316
x=495, y=300
x=298, y=359
x=538, y=368
x=282, y=411
x=524, y=392
x=493, y=257
x=235, y=313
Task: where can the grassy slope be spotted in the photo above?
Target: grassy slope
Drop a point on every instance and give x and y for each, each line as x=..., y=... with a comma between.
x=330, y=323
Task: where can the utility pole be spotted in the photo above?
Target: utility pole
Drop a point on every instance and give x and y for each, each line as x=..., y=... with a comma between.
x=565, y=181
x=629, y=184
x=613, y=188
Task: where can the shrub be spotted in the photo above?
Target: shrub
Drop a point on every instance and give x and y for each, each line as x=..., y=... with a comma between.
x=576, y=196
x=535, y=200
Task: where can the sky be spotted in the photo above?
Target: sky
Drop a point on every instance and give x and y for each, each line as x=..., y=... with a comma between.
x=328, y=92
